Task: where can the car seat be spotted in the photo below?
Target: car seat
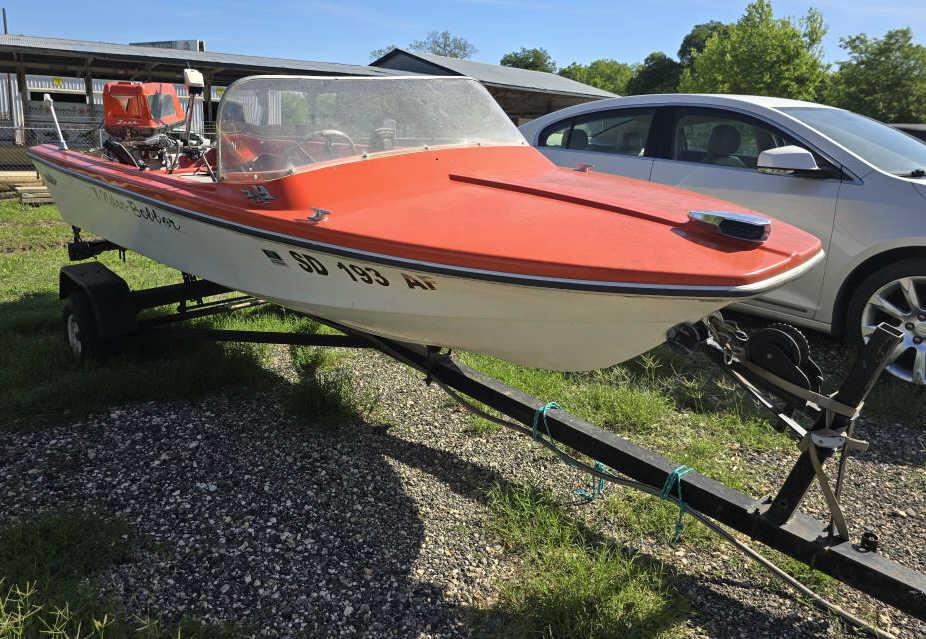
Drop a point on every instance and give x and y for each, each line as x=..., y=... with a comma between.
x=722, y=145
x=577, y=140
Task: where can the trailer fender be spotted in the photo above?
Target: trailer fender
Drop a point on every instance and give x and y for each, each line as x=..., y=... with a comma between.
x=109, y=296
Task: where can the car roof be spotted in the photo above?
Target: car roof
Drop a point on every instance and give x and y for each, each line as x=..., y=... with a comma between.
x=706, y=98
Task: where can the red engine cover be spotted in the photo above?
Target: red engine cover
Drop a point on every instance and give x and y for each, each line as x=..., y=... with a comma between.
x=134, y=105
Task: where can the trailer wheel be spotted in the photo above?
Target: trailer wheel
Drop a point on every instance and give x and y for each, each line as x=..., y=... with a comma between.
x=80, y=330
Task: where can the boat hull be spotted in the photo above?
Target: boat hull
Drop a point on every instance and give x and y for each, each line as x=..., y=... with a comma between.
x=536, y=326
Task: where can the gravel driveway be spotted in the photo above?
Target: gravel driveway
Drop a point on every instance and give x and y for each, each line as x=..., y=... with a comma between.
x=377, y=530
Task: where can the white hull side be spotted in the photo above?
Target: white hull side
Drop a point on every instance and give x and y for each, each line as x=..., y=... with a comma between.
x=533, y=326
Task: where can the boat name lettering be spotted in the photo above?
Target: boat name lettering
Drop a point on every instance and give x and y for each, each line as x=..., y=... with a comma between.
x=365, y=274
x=419, y=281
x=309, y=264
x=141, y=211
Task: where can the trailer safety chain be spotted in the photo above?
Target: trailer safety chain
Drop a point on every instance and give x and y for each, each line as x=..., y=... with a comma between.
x=675, y=480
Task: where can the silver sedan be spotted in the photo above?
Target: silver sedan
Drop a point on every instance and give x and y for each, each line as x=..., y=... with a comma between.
x=857, y=184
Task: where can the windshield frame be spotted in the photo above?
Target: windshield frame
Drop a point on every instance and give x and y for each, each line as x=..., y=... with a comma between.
x=796, y=112
x=224, y=175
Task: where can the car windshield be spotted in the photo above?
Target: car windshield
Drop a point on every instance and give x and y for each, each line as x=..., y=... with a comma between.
x=878, y=144
x=272, y=126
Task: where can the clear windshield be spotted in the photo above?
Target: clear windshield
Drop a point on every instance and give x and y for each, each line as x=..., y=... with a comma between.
x=271, y=126
x=886, y=148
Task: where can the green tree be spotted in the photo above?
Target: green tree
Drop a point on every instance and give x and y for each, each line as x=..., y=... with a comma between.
x=536, y=59
x=444, y=43
x=376, y=54
x=884, y=78
x=294, y=109
x=658, y=74
x=696, y=40
x=606, y=74
x=762, y=55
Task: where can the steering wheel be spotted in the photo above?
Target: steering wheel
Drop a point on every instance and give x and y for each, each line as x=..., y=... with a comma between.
x=328, y=134
x=299, y=155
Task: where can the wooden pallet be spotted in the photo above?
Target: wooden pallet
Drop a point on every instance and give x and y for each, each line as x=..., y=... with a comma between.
x=33, y=195
x=20, y=177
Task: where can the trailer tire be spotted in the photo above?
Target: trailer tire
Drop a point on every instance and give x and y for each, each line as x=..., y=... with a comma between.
x=80, y=330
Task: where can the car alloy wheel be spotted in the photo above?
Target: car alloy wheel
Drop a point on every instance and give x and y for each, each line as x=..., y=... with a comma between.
x=901, y=303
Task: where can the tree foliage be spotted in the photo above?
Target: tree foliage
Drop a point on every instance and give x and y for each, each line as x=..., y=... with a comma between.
x=444, y=43
x=658, y=74
x=376, y=54
x=884, y=78
x=535, y=59
x=761, y=55
x=696, y=40
x=606, y=74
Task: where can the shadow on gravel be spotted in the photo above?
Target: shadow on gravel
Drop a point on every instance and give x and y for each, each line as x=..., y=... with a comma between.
x=41, y=383
x=302, y=533
x=474, y=482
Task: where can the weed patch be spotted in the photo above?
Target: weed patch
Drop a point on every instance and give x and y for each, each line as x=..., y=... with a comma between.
x=574, y=583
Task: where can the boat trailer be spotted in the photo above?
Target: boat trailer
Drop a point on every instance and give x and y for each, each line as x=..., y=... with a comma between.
x=772, y=364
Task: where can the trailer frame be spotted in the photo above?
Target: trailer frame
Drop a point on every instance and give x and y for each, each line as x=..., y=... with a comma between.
x=774, y=521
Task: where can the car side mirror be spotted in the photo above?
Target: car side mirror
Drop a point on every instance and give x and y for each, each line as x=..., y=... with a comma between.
x=788, y=160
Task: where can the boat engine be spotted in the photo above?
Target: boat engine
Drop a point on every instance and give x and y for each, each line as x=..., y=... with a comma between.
x=142, y=119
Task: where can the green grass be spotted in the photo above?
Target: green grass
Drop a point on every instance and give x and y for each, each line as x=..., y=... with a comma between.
x=675, y=406
x=40, y=382
x=641, y=401
x=574, y=583
x=325, y=395
x=47, y=563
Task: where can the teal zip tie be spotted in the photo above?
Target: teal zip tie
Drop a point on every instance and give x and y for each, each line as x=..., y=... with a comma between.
x=674, y=480
x=597, y=487
x=541, y=415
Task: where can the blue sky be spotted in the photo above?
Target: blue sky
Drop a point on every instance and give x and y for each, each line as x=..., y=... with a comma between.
x=346, y=30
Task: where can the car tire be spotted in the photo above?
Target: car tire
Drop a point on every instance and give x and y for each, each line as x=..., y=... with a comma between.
x=80, y=331
x=867, y=307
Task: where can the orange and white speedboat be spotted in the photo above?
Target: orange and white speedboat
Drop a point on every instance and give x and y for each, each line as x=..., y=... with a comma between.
x=412, y=208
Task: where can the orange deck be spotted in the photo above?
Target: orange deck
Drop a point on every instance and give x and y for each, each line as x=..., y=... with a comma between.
x=505, y=209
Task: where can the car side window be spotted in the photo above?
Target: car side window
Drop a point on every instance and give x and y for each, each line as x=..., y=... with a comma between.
x=555, y=135
x=723, y=139
x=620, y=132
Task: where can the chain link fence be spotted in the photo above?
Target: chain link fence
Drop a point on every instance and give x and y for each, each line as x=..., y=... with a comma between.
x=14, y=141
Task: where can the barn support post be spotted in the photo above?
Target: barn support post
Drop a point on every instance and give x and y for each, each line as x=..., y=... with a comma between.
x=24, y=103
x=208, y=117
x=88, y=89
